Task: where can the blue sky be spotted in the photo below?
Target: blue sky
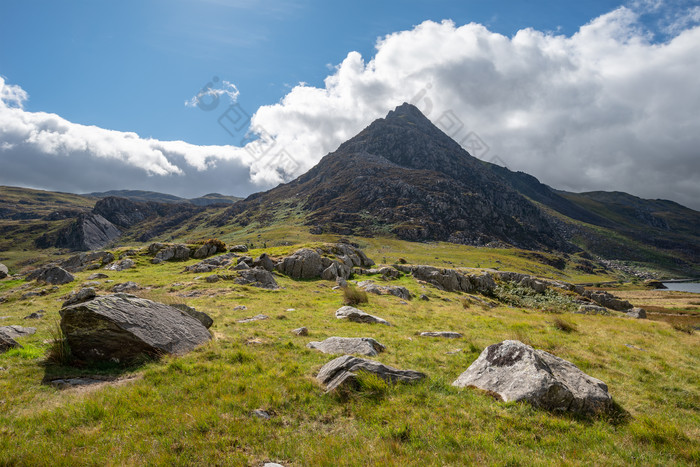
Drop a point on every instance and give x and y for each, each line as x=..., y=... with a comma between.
x=129, y=65
x=584, y=95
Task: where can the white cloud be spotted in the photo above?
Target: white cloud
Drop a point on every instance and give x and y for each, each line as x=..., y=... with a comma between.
x=605, y=109
x=209, y=96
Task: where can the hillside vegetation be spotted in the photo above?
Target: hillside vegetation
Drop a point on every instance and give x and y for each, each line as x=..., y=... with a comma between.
x=200, y=408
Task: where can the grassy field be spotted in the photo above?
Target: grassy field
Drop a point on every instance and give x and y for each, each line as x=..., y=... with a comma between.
x=198, y=409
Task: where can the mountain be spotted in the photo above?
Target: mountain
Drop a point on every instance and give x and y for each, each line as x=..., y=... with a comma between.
x=403, y=176
x=153, y=196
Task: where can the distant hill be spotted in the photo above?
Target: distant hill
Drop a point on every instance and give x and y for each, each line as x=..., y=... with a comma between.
x=140, y=195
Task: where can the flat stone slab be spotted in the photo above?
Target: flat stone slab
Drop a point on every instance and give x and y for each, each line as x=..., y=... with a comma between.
x=14, y=331
x=517, y=372
x=254, y=318
x=447, y=334
x=342, y=373
x=358, y=316
x=348, y=345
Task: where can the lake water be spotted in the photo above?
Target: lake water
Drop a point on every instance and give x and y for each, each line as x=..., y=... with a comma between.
x=693, y=287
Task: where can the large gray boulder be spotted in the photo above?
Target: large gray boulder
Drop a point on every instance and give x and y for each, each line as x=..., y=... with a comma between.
x=517, y=372
x=257, y=277
x=302, y=264
x=348, y=345
x=342, y=373
x=358, y=316
x=51, y=275
x=121, y=328
x=3, y=271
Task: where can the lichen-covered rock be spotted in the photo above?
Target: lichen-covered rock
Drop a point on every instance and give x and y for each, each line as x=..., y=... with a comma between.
x=637, y=313
x=120, y=265
x=447, y=334
x=358, y=316
x=200, y=316
x=122, y=328
x=342, y=373
x=593, y=310
x=517, y=372
x=82, y=295
x=302, y=264
x=607, y=300
x=395, y=290
x=348, y=345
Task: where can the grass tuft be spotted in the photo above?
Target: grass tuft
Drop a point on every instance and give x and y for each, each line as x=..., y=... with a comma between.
x=59, y=352
x=564, y=325
x=353, y=296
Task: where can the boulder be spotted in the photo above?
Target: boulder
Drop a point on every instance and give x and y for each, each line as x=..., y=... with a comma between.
x=89, y=260
x=637, y=313
x=97, y=275
x=35, y=315
x=178, y=252
x=14, y=331
x=452, y=280
x=209, y=264
x=447, y=334
x=342, y=373
x=348, y=345
x=302, y=264
x=397, y=291
x=265, y=262
x=213, y=278
x=3, y=271
x=302, y=331
x=83, y=295
x=257, y=277
x=654, y=284
x=121, y=328
x=126, y=287
x=358, y=316
x=517, y=372
x=7, y=343
x=51, y=275
x=120, y=265
x=204, y=251
x=200, y=316
x=239, y=248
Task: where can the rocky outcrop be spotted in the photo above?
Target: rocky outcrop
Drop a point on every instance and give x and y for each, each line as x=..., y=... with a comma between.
x=257, y=277
x=358, y=316
x=122, y=328
x=517, y=372
x=89, y=231
x=397, y=291
x=348, y=345
x=51, y=275
x=451, y=280
x=212, y=263
x=587, y=309
x=607, y=300
x=121, y=265
x=328, y=262
x=343, y=373
x=168, y=252
x=90, y=260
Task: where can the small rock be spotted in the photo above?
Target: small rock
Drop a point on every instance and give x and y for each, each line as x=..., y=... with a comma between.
x=593, y=310
x=447, y=334
x=635, y=347
x=424, y=297
x=7, y=343
x=257, y=277
x=3, y=271
x=213, y=278
x=35, y=315
x=96, y=276
x=259, y=413
x=239, y=248
x=637, y=313
x=302, y=331
x=240, y=307
x=254, y=318
x=358, y=316
x=120, y=265
x=83, y=295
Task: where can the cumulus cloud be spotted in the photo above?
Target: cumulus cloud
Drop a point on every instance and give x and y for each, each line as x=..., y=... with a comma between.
x=611, y=107
x=209, y=96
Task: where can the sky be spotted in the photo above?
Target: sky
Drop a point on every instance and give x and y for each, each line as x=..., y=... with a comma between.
x=193, y=97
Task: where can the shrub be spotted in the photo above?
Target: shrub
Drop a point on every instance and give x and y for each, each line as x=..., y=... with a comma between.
x=220, y=246
x=354, y=296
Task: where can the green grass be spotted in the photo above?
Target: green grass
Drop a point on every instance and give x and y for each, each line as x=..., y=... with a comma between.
x=196, y=409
